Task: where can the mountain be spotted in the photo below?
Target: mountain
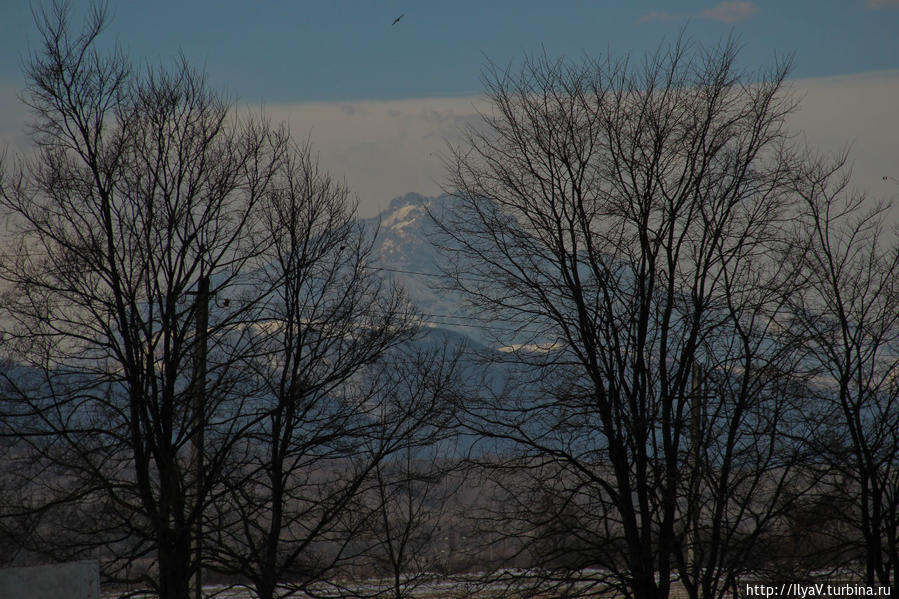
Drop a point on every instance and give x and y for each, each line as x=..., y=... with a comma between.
x=405, y=254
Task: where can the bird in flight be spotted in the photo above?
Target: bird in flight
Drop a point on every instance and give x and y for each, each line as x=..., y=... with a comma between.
x=397, y=20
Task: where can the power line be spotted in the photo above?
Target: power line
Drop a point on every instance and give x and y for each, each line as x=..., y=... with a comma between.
x=365, y=266
x=443, y=319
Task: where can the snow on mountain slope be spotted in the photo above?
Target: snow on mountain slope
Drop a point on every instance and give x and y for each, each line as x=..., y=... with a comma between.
x=405, y=254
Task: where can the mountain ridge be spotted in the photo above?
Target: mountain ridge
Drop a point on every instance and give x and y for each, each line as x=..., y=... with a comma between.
x=405, y=254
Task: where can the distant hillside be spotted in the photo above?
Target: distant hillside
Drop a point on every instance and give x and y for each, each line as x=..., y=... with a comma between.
x=406, y=254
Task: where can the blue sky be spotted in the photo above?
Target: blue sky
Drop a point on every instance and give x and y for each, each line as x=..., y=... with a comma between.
x=314, y=62
x=299, y=50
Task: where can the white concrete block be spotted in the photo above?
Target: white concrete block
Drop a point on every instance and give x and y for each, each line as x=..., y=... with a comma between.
x=73, y=580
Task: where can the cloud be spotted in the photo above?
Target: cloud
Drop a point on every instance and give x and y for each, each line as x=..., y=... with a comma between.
x=382, y=149
x=855, y=113
x=731, y=12
x=656, y=15
x=726, y=12
x=879, y=4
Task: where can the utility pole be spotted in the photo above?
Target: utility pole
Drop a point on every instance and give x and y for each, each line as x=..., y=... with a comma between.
x=694, y=449
x=198, y=398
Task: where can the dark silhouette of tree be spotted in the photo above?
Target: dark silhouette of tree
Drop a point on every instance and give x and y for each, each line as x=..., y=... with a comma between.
x=848, y=317
x=340, y=390
x=626, y=219
x=139, y=208
x=205, y=373
x=411, y=501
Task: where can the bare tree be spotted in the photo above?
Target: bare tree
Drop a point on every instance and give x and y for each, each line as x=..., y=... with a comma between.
x=334, y=393
x=626, y=221
x=138, y=210
x=848, y=318
x=411, y=501
x=405, y=524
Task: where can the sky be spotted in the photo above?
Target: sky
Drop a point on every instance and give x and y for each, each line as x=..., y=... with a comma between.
x=380, y=101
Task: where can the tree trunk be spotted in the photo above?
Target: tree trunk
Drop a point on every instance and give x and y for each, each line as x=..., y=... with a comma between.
x=174, y=569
